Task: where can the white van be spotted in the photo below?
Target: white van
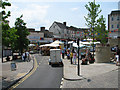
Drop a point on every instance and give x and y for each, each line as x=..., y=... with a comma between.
x=55, y=57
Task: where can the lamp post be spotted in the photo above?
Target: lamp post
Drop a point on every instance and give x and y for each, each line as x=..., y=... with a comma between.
x=78, y=58
x=93, y=40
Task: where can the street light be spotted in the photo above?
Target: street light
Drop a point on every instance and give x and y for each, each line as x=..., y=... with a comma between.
x=78, y=58
x=93, y=40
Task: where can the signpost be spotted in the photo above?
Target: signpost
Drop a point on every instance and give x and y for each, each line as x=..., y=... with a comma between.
x=78, y=58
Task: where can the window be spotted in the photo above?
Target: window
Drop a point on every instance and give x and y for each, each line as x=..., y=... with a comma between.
x=112, y=26
x=118, y=18
x=117, y=25
x=112, y=19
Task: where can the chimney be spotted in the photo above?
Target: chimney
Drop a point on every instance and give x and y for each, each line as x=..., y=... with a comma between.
x=64, y=23
x=42, y=28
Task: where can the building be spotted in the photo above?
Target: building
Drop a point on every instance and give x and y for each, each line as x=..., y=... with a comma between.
x=40, y=37
x=114, y=28
x=59, y=30
x=47, y=34
x=35, y=36
x=63, y=32
x=75, y=33
x=114, y=24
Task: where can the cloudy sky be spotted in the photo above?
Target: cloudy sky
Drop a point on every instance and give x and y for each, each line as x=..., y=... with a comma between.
x=38, y=13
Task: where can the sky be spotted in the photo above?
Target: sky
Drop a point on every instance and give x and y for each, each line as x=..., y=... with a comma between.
x=42, y=13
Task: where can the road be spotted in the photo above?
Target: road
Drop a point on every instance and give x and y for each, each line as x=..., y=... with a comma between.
x=45, y=76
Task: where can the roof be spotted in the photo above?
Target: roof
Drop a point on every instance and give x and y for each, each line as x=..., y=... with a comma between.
x=77, y=29
x=61, y=25
x=115, y=12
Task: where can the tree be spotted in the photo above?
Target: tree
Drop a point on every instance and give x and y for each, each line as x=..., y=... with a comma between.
x=93, y=13
x=9, y=36
x=91, y=19
x=101, y=31
x=96, y=23
x=22, y=32
x=5, y=25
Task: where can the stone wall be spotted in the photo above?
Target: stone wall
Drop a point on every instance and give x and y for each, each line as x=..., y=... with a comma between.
x=114, y=42
x=103, y=54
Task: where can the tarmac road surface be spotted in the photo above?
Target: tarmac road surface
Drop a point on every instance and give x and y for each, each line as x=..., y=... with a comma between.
x=45, y=76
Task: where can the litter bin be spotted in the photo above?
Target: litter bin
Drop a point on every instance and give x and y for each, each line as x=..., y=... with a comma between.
x=13, y=66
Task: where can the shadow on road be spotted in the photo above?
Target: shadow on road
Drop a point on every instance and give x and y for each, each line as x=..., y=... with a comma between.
x=56, y=65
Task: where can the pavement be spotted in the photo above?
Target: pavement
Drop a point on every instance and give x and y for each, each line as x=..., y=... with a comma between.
x=11, y=76
x=98, y=73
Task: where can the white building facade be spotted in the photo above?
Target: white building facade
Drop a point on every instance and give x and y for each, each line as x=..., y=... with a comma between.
x=59, y=30
x=114, y=24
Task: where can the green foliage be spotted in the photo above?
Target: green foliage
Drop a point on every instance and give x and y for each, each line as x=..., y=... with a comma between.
x=13, y=38
x=96, y=24
x=4, y=14
x=22, y=32
x=9, y=36
x=5, y=4
x=5, y=26
x=93, y=12
x=100, y=28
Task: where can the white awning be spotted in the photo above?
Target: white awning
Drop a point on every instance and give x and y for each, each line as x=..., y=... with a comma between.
x=50, y=45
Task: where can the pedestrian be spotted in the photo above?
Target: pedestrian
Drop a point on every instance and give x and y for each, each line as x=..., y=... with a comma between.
x=68, y=54
x=27, y=56
x=117, y=55
x=71, y=57
x=63, y=52
x=74, y=57
x=24, y=57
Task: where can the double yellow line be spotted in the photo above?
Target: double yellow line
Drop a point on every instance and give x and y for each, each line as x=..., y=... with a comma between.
x=23, y=79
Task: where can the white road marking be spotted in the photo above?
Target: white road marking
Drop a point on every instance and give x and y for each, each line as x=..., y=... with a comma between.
x=61, y=86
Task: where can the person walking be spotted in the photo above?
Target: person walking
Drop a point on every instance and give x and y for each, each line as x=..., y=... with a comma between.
x=71, y=57
x=63, y=52
x=27, y=56
x=74, y=57
x=24, y=56
x=68, y=54
x=117, y=55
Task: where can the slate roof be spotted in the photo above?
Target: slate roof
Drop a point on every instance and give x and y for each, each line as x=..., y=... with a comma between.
x=61, y=25
x=115, y=12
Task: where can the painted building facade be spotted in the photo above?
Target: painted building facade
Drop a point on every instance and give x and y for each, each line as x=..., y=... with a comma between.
x=114, y=24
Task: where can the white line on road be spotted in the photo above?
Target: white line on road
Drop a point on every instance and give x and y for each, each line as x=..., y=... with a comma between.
x=61, y=86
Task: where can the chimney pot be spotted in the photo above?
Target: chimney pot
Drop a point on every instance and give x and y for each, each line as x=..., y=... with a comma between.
x=64, y=23
x=42, y=28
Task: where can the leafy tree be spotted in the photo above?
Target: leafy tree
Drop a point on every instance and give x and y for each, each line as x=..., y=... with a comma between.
x=8, y=34
x=96, y=24
x=93, y=12
x=101, y=31
x=5, y=25
x=22, y=32
x=91, y=19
